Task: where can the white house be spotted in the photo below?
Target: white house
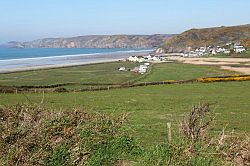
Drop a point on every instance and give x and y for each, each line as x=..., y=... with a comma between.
x=202, y=49
x=141, y=59
x=133, y=59
x=156, y=58
x=219, y=49
x=239, y=49
x=143, y=69
x=143, y=66
x=149, y=56
x=122, y=69
x=193, y=54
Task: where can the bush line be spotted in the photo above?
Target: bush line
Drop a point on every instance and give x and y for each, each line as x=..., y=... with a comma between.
x=99, y=87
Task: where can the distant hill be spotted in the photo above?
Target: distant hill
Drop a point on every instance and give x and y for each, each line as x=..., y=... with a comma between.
x=208, y=36
x=96, y=41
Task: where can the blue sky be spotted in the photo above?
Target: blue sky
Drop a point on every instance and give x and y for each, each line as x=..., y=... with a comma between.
x=31, y=19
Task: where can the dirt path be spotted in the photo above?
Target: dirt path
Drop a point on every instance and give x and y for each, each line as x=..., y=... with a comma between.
x=224, y=63
x=243, y=70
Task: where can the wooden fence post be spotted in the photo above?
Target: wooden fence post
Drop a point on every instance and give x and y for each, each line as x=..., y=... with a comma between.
x=169, y=132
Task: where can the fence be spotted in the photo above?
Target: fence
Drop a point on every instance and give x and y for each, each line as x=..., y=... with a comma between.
x=99, y=86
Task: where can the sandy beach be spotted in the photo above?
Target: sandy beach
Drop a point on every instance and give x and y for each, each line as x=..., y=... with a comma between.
x=16, y=65
x=2, y=71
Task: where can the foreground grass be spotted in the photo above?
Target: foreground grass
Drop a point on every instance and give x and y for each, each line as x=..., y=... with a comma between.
x=34, y=135
x=37, y=135
x=150, y=108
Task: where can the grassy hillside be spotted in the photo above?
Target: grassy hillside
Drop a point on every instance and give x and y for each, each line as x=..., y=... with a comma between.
x=208, y=36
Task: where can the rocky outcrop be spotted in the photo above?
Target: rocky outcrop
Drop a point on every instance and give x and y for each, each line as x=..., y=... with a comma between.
x=103, y=41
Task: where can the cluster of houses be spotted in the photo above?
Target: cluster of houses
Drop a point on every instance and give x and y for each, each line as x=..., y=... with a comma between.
x=213, y=50
x=142, y=69
x=149, y=58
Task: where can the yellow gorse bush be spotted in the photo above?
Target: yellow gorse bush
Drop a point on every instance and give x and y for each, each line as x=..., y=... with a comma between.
x=231, y=78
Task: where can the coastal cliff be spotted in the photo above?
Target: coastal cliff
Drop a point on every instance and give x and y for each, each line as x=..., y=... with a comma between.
x=97, y=41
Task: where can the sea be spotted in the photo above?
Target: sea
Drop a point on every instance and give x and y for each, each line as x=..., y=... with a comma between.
x=18, y=59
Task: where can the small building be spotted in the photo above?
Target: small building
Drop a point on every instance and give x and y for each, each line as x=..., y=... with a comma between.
x=214, y=52
x=193, y=54
x=143, y=67
x=142, y=71
x=156, y=58
x=202, y=49
x=122, y=69
x=239, y=49
x=141, y=59
x=149, y=56
x=220, y=50
x=133, y=59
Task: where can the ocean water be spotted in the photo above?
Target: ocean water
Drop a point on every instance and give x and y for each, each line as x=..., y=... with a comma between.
x=14, y=59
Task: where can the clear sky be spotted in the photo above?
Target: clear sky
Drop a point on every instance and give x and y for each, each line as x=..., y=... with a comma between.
x=31, y=19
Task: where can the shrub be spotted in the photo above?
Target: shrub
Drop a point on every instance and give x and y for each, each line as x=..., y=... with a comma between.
x=221, y=79
x=33, y=135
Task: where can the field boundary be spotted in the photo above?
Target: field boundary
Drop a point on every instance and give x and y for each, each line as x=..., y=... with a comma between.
x=99, y=87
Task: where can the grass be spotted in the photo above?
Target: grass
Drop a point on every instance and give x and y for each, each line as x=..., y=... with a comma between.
x=96, y=73
x=150, y=108
x=37, y=135
x=179, y=71
x=108, y=74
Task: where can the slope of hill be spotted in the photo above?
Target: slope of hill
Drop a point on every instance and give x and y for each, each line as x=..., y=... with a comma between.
x=208, y=36
x=97, y=41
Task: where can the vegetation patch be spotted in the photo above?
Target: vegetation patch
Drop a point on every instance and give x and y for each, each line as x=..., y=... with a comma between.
x=33, y=135
x=223, y=79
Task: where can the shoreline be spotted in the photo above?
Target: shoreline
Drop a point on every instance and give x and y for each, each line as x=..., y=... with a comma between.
x=44, y=67
x=28, y=64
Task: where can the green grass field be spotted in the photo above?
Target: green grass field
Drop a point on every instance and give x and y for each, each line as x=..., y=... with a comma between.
x=96, y=73
x=150, y=108
x=108, y=74
x=179, y=71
